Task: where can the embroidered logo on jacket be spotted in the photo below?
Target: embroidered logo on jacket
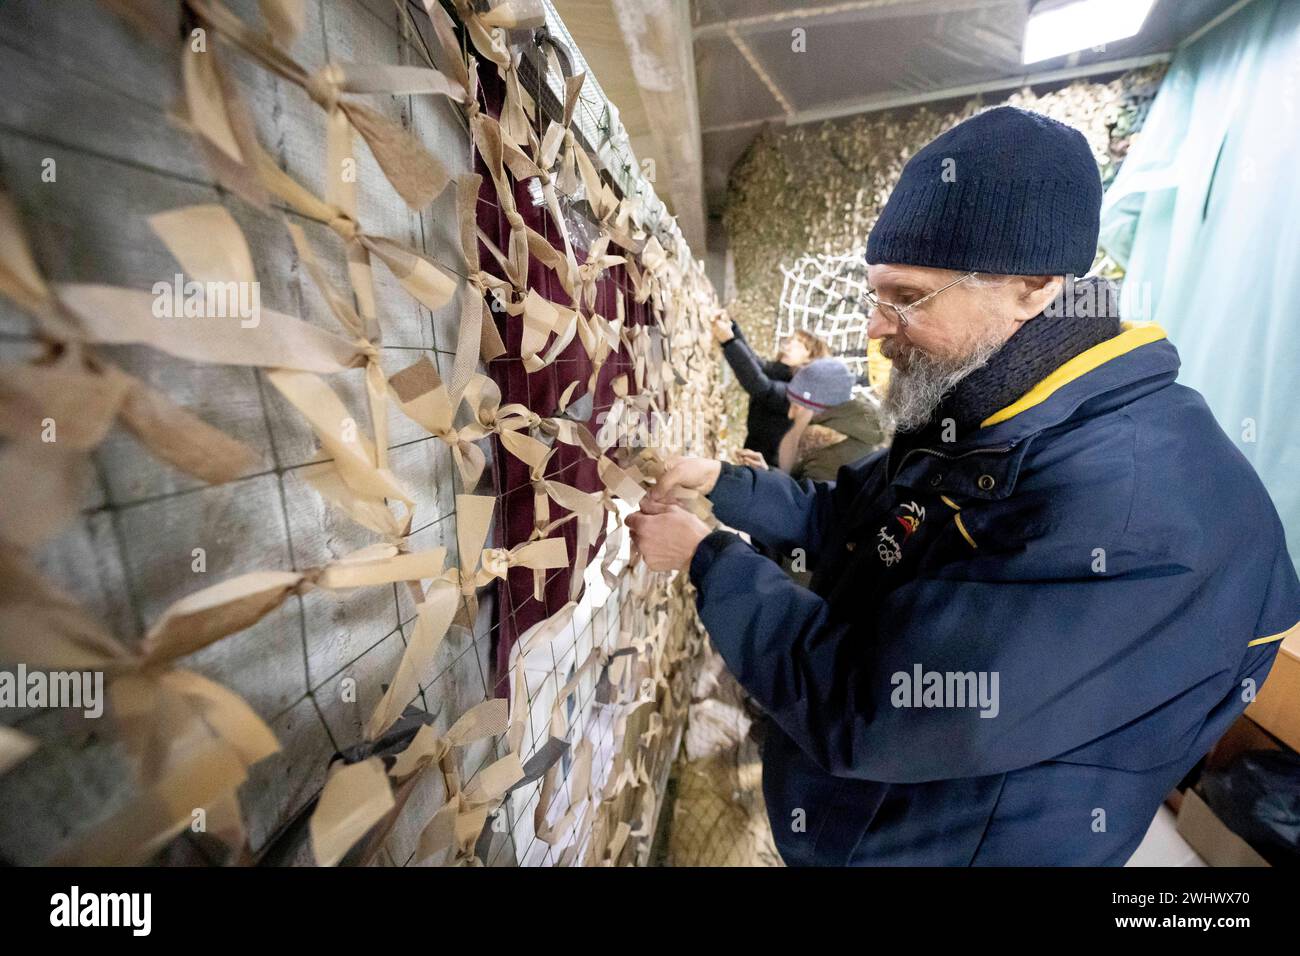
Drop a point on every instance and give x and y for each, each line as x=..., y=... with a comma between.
x=889, y=547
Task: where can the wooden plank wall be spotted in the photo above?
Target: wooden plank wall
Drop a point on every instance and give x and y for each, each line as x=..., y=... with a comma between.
x=84, y=90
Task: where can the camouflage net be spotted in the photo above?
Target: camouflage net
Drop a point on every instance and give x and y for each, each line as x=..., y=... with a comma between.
x=719, y=818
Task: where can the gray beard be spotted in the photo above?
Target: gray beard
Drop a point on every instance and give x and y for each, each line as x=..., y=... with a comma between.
x=914, y=393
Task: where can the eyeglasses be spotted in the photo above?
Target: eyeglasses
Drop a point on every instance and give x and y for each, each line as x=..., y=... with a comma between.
x=873, y=303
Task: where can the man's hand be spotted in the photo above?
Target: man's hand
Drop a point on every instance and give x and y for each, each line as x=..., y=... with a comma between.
x=754, y=459
x=695, y=474
x=666, y=535
x=722, y=330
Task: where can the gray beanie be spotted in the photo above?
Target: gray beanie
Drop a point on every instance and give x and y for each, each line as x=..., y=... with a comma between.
x=822, y=384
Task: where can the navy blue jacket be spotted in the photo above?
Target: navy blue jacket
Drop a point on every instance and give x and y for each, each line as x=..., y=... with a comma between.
x=1100, y=546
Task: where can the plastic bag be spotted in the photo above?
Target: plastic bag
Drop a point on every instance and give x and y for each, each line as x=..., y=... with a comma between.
x=1258, y=796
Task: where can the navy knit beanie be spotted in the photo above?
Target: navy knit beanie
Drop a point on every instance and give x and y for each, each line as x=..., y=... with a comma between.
x=1007, y=191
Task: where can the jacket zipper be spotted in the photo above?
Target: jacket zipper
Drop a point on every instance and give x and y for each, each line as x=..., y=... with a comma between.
x=944, y=455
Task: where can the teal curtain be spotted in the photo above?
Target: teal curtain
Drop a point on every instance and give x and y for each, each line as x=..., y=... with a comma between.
x=1204, y=216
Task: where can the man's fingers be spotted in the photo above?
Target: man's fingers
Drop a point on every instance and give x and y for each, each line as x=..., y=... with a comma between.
x=642, y=522
x=654, y=509
x=653, y=506
x=667, y=483
x=692, y=473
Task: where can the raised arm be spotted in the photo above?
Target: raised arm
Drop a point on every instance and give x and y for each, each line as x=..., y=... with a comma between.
x=752, y=375
x=774, y=369
x=787, y=452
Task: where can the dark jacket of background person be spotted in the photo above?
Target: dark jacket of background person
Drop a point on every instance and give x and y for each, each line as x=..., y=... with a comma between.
x=859, y=425
x=765, y=383
x=1099, y=544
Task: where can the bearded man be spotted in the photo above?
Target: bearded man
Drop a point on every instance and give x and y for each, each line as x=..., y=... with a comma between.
x=1034, y=612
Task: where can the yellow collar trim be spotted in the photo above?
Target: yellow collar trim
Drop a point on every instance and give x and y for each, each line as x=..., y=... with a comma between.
x=1132, y=337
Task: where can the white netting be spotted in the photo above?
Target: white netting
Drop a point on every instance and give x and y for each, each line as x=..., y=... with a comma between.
x=823, y=294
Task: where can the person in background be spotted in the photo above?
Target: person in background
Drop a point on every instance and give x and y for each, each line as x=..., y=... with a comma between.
x=765, y=382
x=829, y=428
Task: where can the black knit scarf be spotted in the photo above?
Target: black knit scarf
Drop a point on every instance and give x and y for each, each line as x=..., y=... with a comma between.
x=1039, y=347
